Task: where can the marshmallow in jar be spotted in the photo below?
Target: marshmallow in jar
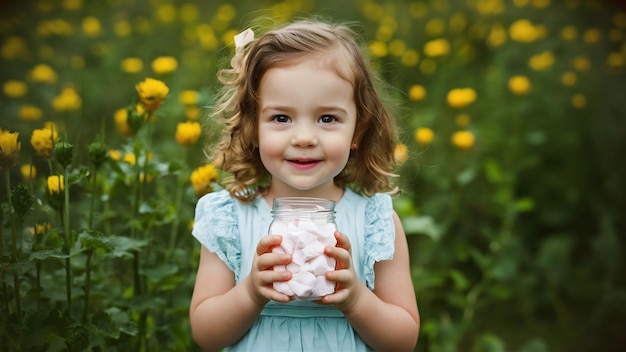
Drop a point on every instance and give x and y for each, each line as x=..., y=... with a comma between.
x=307, y=225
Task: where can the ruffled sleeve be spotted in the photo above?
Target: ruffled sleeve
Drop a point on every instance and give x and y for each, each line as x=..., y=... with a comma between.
x=379, y=234
x=215, y=227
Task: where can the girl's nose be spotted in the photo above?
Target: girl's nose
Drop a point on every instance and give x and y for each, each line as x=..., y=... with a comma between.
x=304, y=136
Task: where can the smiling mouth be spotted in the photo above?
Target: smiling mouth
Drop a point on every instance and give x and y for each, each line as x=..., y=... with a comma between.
x=304, y=162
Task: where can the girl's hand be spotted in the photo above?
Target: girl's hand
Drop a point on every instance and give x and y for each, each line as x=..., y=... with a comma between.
x=262, y=276
x=347, y=287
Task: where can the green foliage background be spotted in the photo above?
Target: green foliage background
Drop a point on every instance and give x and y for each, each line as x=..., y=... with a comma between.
x=516, y=242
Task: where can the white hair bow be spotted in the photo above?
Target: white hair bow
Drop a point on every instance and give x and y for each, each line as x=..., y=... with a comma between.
x=241, y=40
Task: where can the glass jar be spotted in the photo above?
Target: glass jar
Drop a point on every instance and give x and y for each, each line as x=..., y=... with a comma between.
x=307, y=226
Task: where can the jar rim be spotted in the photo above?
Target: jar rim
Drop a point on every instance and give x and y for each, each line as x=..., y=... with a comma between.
x=302, y=204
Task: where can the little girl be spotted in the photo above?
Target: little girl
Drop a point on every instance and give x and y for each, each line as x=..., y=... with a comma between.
x=302, y=118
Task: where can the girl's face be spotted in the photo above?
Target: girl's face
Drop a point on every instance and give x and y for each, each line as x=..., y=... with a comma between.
x=307, y=118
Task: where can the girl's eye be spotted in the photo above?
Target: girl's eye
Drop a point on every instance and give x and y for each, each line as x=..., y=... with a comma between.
x=281, y=118
x=328, y=119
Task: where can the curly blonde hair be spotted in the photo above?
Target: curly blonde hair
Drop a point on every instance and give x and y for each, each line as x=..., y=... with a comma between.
x=368, y=170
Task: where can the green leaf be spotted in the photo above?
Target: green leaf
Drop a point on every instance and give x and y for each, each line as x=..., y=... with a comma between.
x=158, y=273
x=124, y=247
x=48, y=253
x=466, y=176
x=460, y=281
x=422, y=225
x=94, y=240
x=493, y=171
x=554, y=257
x=489, y=342
x=113, y=322
x=504, y=268
x=535, y=345
x=524, y=204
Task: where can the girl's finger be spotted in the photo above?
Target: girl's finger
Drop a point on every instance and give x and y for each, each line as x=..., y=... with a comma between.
x=268, y=260
x=341, y=255
x=343, y=241
x=266, y=243
x=339, y=276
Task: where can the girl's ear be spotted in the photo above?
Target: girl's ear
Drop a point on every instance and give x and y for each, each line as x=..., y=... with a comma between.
x=354, y=147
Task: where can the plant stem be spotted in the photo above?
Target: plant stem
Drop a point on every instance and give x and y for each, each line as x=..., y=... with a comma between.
x=14, y=254
x=68, y=244
x=87, y=284
x=90, y=250
x=38, y=287
x=177, y=205
x=5, y=294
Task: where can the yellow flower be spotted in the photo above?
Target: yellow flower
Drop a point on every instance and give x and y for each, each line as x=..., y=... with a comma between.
x=40, y=229
x=541, y=61
x=615, y=60
x=424, y=135
x=9, y=149
x=497, y=36
x=192, y=112
x=132, y=65
x=461, y=97
x=581, y=63
x=56, y=184
x=410, y=58
x=28, y=171
x=519, y=85
x=115, y=155
x=166, y=13
x=188, y=13
x=462, y=120
x=122, y=28
x=151, y=93
x=201, y=179
x=428, y=66
x=164, y=65
x=417, y=92
x=206, y=36
x=541, y=4
x=436, y=48
x=130, y=158
x=579, y=101
x=43, y=73
x=463, y=139
x=378, y=49
x=401, y=153
x=226, y=13
x=30, y=113
x=523, y=31
x=14, y=47
x=73, y=4
x=435, y=27
x=592, y=35
x=77, y=62
x=569, y=33
x=14, y=89
x=397, y=47
x=121, y=122
x=67, y=100
x=43, y=140
x=569, y=79
x=187, y=133
x=188, y=97
x=91, y=26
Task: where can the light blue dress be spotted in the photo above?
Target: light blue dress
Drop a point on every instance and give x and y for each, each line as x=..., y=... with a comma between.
x=232, y=229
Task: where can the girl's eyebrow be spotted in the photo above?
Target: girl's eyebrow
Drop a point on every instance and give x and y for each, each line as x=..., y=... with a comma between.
x=331, y=108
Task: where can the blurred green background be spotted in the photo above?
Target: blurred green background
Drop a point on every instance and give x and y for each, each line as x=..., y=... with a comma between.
x=512, y=117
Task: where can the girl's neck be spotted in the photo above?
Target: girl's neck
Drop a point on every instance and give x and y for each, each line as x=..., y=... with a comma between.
x=334, y=194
